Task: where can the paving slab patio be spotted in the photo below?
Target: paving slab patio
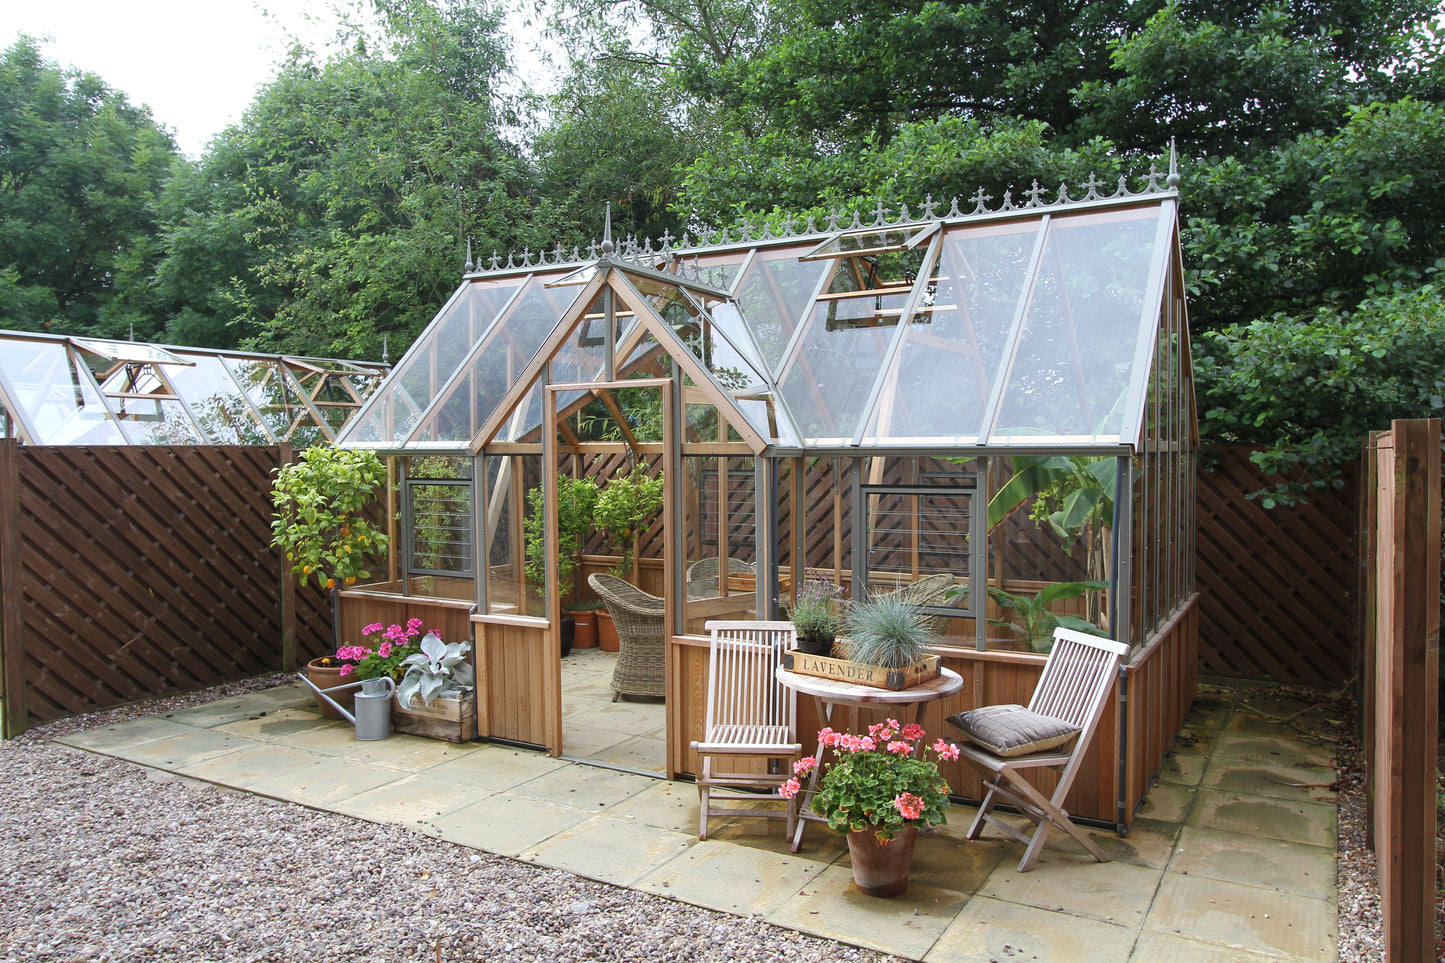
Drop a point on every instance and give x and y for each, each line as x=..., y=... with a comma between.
x=1231, y=857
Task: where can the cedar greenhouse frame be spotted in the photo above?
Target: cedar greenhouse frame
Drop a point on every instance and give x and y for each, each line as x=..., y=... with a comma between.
x=860, y=404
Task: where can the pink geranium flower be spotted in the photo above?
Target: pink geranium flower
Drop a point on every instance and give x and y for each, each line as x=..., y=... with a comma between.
x=913, y=732
x=805, y=764
x=909, y=805
x=790, y=788
x=946, y=750
x=900, y=748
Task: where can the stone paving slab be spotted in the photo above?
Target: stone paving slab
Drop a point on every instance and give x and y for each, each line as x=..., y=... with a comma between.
x=1234, y=916
x=506, y=824
x=1312, y=824
x=610, y=850
x=989, y=930
x=1241, y=858
x=831, y=906
x=732, y=879
x=1078, y=885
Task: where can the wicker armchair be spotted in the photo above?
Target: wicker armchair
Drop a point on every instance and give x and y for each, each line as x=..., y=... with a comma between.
x=702, y=576
x=640, y=632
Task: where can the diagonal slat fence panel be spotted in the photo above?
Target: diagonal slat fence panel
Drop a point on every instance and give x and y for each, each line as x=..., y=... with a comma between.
x=133, y=572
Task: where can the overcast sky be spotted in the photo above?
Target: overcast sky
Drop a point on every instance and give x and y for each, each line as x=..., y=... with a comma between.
x=195, y=63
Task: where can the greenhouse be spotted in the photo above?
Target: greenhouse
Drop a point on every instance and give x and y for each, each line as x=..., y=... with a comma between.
x=91, y=391
x=989, y=409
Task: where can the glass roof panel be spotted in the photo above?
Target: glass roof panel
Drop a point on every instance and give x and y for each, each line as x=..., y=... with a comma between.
x=59, y=400
x=217, y=402
x=582, y=357
x=939, y=387
x=1072, y=367
x=855, y=243
x=773, y=294
x=831, y=373
x=277, y=400
x=127, y=351
x=496, y=363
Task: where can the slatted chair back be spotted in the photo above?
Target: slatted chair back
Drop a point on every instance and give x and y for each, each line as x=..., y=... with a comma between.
x=744, y=699
x=1077, y=679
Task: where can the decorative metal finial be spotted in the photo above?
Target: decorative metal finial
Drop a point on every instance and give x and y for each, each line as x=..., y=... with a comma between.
x=496, y=261
x=607, y=246
x=469, y=266
x=384, y=358
x=1173, y=179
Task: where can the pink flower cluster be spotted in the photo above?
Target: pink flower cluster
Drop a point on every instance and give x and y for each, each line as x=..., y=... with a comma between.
x=899, y=740
x=391, y=636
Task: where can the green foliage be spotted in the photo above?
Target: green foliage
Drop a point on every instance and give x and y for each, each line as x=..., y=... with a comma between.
x=576, y=505
x=320, y=522
x=81, y=170
x=1034, y=620
x=624, y=507
x=1311, y=389
x=888, y=632
x=816, y=614
x=437, y=667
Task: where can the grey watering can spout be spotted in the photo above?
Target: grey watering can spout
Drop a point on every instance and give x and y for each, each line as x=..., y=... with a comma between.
x=373, y=705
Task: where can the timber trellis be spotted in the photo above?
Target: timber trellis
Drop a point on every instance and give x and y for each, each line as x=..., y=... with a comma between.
x=133, y=572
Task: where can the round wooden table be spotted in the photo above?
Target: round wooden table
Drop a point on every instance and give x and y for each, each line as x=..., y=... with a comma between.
x=832, y=692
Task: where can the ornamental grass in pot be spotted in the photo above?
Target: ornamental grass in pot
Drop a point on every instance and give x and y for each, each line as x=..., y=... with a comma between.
x=887, y=632
x=878, y=791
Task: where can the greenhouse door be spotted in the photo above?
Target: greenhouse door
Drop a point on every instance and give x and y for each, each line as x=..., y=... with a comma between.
x=590, y=726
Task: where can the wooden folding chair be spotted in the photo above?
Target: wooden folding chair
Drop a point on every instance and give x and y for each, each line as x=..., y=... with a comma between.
x=749, y=715
x=1077, y=681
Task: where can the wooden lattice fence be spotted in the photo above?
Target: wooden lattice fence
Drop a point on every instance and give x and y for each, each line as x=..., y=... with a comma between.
x=132, y=572
x=1279, y=597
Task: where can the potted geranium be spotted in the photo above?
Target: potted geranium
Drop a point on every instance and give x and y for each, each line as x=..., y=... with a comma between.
x=879, y=791
x=381, y=655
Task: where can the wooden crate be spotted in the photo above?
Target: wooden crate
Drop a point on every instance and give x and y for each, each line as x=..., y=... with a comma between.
x=454, y=720
x=860, y=673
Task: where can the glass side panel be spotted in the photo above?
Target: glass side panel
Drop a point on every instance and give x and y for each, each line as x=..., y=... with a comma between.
x=217, y=402
x=442, y=349
x=831, y=374
x=1072, y=368
x=59, y=400
x=773, y=295
x=275, y=399
x=505, y=350
x=440, y=516
x=939, y=387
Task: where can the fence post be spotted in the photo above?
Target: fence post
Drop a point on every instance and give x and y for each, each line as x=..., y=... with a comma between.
x=13, y=710
x=284, y=455
x=1407, y=586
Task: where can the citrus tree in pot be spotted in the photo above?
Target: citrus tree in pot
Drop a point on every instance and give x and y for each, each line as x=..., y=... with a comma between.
x=576, y=505
x=624, y=507
x=320, y=518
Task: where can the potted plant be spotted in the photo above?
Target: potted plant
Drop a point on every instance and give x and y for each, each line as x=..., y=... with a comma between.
x=584, y=616
x=372, y=660
x=624, y=507
x=319, y=523
x=576, y=501
x=816, y=616
x=1034, y=620
x=879, y=791
x=434, y=696
x=887, y=632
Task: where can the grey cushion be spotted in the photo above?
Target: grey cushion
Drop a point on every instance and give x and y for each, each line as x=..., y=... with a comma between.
x=1012, y=730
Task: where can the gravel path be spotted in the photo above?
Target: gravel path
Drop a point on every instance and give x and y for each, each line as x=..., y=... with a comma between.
x=108, y=861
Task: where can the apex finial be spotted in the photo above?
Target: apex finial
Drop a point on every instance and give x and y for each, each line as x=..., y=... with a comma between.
x=469, y=266
x=607, y=246
x=384, y=359
x=1173, y=179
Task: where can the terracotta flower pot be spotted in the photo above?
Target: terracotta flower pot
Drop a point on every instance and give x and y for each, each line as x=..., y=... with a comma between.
x=881, y=869
x=607, y=632
x=326, y=677
x=585, y=636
